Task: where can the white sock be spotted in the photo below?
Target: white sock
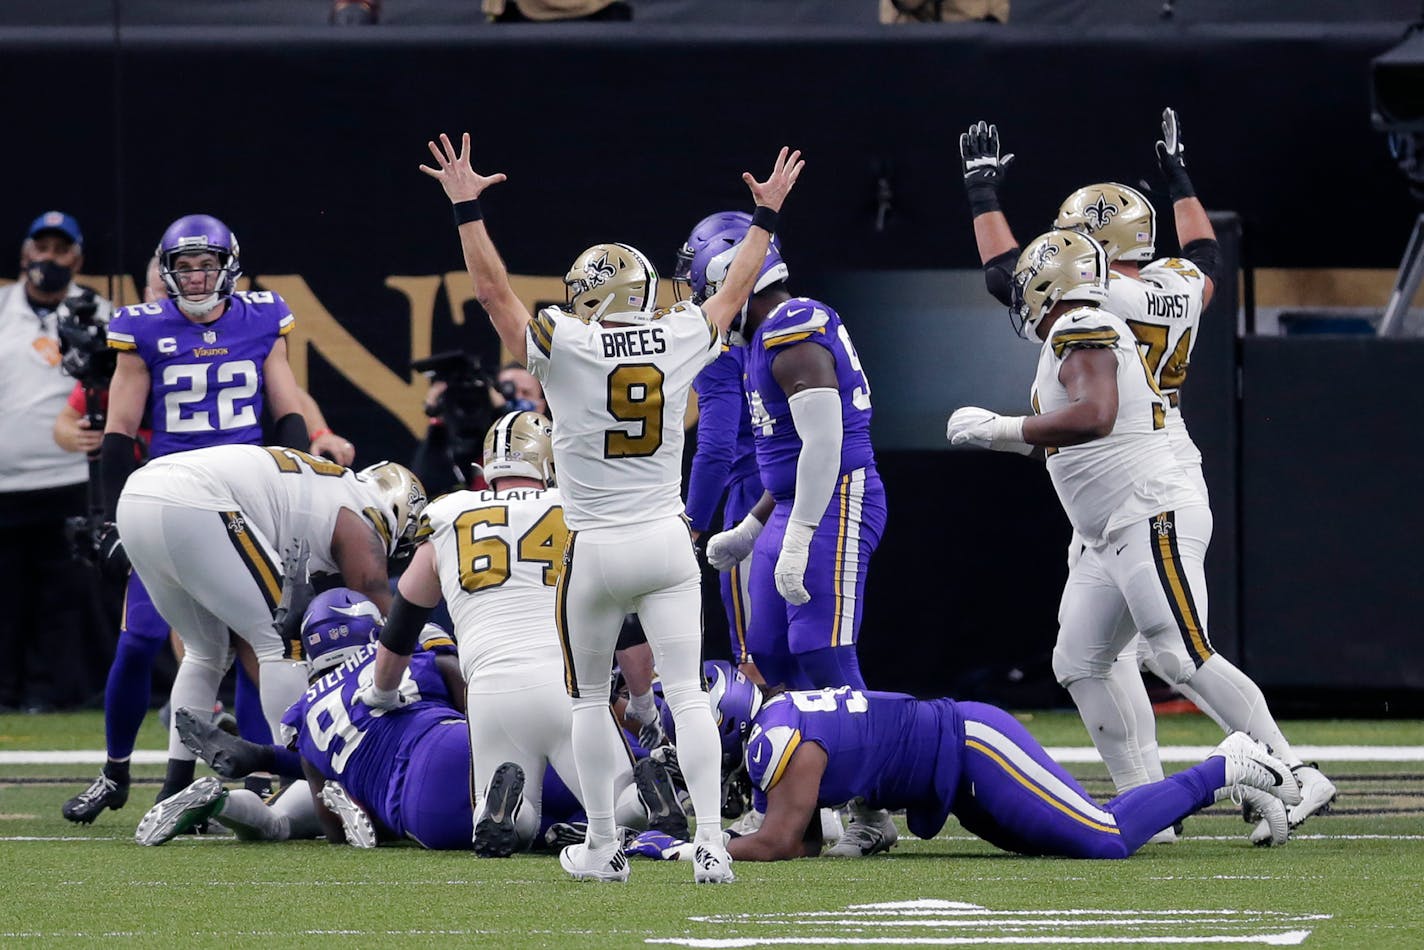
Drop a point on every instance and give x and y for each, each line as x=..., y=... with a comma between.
x=280, y=683
x=699, y=755
x=295, y=808
x=642, y=707
x=1129, y=681
x=196, y=687
x=597, y=747
x=1150, y=664
x=1237, y=698
x=1112, y=726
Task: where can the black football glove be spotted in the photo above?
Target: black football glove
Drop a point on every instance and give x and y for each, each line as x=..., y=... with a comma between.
x=983, y=166
x=1171, y=158
x=113, y=559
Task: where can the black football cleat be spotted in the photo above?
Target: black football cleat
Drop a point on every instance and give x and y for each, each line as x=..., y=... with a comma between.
x=229, y=756
x=495, y=836
x=659, y=797
x=102, y=793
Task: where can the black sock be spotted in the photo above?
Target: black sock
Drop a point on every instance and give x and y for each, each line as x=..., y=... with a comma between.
x=179, y=777
x=117, y=771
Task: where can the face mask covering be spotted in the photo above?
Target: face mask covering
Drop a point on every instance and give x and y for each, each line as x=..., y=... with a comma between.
x=49, y=277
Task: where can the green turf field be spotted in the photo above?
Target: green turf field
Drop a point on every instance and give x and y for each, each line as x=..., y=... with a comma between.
x=1349, y=879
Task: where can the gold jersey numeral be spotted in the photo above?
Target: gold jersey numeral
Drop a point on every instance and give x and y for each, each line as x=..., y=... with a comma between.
x=635, y=394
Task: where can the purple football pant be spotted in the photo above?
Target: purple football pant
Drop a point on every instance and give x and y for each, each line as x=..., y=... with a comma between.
x=1013, y=795
x=780, y=634
x=742, y=494
x=435, y=808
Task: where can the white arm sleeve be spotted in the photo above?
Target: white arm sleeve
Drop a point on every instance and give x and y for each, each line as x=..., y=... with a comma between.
x=817, y=415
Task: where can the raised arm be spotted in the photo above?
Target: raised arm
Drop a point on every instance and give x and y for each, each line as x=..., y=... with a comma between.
x=984, y=169
x=1194, y=231
x=723, y=306
x=463, y=185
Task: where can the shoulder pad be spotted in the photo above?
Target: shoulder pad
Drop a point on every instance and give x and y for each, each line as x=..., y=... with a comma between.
x=768, y=753
x=1171, y=268
x=542, y=326
x=1088, y=330
x=435, y=639
x=796, y=320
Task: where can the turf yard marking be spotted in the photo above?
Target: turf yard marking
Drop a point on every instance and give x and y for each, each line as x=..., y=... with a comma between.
x=944, y=922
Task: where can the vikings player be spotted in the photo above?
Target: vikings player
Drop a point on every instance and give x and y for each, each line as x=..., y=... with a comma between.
x=196, y=365
x=940, y=757
x=824, y=507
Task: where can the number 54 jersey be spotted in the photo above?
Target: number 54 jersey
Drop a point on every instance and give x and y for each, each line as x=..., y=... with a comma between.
x=206, y=379
x=618, y=395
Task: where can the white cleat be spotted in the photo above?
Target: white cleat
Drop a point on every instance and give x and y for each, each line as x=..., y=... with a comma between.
x=360, y=833
x=711, y=864
x=586, y=865
x=1165, y=836
x=1248, y=763
x=749, y=822
x=1316, y=794
x=870, y=831
x=179, y=812
x=831, y=827
x=1272, y=830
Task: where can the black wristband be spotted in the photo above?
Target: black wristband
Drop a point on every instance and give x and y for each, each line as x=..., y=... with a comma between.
x=765, y=218
x=291, y=431
x=402, y=630
x=467, y=211
x=116, y=461
x=982, y=199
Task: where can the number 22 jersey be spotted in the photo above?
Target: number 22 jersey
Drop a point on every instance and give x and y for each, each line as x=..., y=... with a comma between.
x=206, y=379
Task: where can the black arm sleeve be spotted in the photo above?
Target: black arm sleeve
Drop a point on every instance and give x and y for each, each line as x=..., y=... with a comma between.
x=402, y=629
x=116, y=463
x=999, y=276
x=291, y=431
x=1206, y=254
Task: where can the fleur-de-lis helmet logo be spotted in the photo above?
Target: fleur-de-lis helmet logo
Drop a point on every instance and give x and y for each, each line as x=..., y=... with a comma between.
x=1099, y=213
x=597, y=271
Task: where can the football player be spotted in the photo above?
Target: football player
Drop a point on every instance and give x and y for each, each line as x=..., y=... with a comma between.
x=1101, y=418
x=1161, y=301
x=823, y=510
x=204, y=392
x=616, y=373
x=201, y=528
x=724, y=465
x=939, y=757
x=495, y=555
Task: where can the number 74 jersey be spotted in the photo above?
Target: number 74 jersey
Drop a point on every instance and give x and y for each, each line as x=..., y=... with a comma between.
x=206, y=379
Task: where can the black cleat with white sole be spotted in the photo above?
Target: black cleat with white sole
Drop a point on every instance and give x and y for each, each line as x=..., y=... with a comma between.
x=495, y=835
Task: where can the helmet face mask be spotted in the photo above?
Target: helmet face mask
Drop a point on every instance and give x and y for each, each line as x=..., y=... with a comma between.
x=520, y=445
x=735, y=702
x=713, y=260
x=1118, y=217
x=187, y=242
x=401, y=503
x=612, y=282
x=1056, y=266
x=336, y=626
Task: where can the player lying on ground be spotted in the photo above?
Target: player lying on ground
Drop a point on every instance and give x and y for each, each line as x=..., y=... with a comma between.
x=939, y=757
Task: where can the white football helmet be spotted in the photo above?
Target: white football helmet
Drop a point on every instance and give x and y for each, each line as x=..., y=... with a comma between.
x=1119, y=218
x=1056, y=266
x=520, y=444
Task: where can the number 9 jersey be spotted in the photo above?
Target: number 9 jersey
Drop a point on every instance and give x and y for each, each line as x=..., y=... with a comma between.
x=618, y=395
x=206, y=379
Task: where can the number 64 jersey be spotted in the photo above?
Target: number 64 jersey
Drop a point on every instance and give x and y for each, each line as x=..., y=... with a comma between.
x=206, y=379
x=618, y=395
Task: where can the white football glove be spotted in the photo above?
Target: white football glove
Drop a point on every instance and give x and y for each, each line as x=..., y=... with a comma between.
x=791, y=563
x=729, y=548
x=987, y=430
x=381, y=698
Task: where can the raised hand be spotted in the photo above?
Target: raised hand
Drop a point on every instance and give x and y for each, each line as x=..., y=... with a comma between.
x=979, y=156
x=460, y=181
x=1171, y=157
x=772, y=192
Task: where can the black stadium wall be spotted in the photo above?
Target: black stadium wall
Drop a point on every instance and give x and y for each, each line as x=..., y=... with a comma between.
x=307, y=141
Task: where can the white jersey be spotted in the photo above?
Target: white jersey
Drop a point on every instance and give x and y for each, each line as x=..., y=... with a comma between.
x=618, y=396
x=1131, y=473
x=499, y=555
x=1163, y=307
x=286, y=494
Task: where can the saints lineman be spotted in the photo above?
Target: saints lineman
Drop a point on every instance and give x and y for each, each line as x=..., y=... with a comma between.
x=496, y=555
x=1102, y=419
x=1162, y=302
x=616, y=373
x=202, y=529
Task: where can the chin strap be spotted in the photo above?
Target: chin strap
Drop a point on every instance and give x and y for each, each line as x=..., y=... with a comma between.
x=196, y=308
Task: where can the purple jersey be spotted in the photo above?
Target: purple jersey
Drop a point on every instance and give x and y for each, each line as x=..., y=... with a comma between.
x=368, y=750
x=206, y=378
x=778, y=446
x=893, y=749
x=725, y=452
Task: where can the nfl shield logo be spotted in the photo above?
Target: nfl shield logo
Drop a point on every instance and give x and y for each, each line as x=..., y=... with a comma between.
x=210, y=336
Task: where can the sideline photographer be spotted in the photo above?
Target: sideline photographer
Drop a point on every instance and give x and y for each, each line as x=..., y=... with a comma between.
x=462, y=403
x=52, y=613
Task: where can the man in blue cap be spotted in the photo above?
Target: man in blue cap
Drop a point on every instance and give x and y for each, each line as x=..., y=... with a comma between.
x=51, y=610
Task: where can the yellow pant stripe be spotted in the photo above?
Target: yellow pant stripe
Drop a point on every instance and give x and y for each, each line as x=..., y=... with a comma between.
x=1175, y=586
x=561, y=616
x=842, y=522
x=263, y=571
x=739, y=614
x=1029, y=784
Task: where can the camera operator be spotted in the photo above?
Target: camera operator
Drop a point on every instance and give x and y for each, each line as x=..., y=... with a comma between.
x=51, y=603
x=462, y=402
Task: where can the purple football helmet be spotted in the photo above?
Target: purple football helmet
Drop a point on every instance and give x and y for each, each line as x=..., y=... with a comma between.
x=697, y=240
x=735, y=701
x=199, y=234
x=336, y=625
x=711, y=263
